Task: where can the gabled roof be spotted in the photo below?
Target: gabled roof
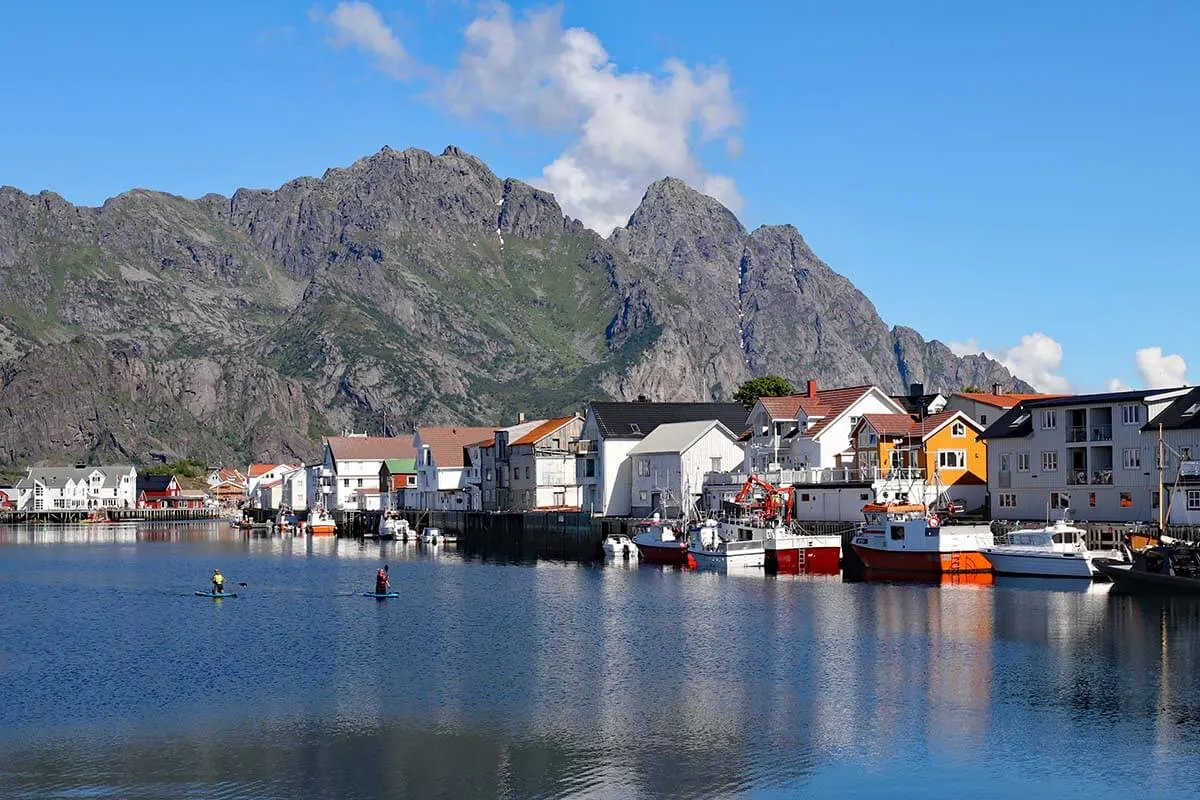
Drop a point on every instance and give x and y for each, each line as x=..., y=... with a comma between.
x=914, y=404
x=543, y=430
x=154, y=483
x=447, y=444
x=370, y=448
x=678, y=437
x=904, y=426
x=1005, y=400
x=636, y=420
x=400, y=466
x=823, y=407
x=1175, y=417
x=58, y=477
x=789, y=406
x=257, y=470
x=229, y=474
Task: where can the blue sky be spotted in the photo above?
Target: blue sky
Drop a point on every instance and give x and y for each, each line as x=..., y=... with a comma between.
x=1016, y=177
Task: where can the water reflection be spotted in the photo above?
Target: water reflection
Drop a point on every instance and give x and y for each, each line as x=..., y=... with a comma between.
x=553, y=679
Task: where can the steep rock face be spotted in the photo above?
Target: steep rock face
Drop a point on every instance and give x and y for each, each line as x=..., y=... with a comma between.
x=410, y=288
x=691, y=246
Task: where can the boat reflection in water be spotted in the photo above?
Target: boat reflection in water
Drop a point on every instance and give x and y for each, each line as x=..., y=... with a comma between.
x=1034, y=583
x=925, y=578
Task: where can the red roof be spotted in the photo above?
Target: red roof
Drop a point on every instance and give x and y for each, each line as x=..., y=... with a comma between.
x=447, y=443
x=370, y=448
x=259, y=469
x=909, y=427
x=545, y=429
x=1005, y=400
x=826, y=405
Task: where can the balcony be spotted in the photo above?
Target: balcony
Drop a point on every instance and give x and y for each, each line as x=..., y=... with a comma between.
x=1101, y=433
x=1077, y=433
x=1077, y=477
x=1083, y=477
x=1102, y=477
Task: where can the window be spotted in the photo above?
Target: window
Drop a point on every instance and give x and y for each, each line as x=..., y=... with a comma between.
x=867, y=438
x=804, y=498
x=1022, y=462
x=1050, y=461
x=635, y=428
x=1191, y=410
x=952, y=459
x=983, y=419
x=1154, y=499
x=1008, y=501
x=1049, y=420
x=1185, y=454
x=1020, y=420
x=1092, y=499
x=560, y=499
x=1131, y=415
x=1132, y=458
x=589, y=468
x=1060, y=500
x=412, y=480
x=716, y=463
x=864, y=497
x=360, y=483
x=345, y=483
x=898, y=532
x=1005, y=462
x=854, y=421
x=958, y=430
x=642, y=496
x=527, y=473
x=1193, y=499
x=643, y=467
x=1126, y=499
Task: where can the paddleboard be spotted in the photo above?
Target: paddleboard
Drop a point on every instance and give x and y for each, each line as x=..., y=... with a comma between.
x=216, y=596
x=381, y=596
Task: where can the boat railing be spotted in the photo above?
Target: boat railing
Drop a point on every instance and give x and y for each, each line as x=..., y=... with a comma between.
x=742, y=546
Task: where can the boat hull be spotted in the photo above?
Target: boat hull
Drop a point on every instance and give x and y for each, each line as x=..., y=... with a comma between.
x=672, y=554
x=322, y=529
x=929, y=562
x=1056, y=565
x=708, y=559
x=793, y=555
x=619, y=549
x=1130, y=581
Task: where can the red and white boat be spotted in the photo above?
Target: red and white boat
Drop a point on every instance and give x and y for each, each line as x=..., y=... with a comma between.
x=661, y=542
x=786, y=548
x=908, y=538
x=321, y=524
x=723, y=546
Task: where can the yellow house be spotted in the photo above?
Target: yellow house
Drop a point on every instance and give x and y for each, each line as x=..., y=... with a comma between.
x=945, y=444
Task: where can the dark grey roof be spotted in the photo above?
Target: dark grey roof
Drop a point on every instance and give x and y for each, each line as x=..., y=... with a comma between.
x=153, y=483
x=915, y=405
x=1175, y=417
x=635, y=420
x=1096, y=399
x=1017, y=422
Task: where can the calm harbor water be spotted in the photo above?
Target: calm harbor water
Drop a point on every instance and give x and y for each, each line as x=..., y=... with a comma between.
x=567, y=680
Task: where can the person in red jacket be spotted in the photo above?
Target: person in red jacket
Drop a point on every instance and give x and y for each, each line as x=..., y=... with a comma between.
x=382, y=584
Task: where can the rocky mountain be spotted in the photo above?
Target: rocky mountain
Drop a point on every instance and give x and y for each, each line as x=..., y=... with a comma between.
x=405, y=289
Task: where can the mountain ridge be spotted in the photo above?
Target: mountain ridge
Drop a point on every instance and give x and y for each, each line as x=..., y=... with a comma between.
x=407, y=286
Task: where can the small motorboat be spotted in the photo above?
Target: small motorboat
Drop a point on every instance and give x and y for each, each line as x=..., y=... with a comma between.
x=619, y=545
x=431, y=536
x=1057, y=551
x=1161, y=569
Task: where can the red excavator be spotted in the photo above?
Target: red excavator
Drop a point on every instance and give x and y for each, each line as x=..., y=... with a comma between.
x=770, y=502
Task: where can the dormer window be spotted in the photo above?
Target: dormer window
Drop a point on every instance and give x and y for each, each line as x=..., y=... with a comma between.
x=1192, y=409
x=1019, y=420
x=958, y=430
x=633, y=426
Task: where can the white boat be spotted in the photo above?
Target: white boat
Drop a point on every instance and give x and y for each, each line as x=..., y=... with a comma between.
x=321, y=524
x=1057, y=551
x=618, y=545
x=394, y=528
x=716, y=545
x=431, y=536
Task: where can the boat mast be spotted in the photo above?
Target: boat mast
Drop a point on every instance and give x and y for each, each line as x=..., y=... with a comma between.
x=1161, y=465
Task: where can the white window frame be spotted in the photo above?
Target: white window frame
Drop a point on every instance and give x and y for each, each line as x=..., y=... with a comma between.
x=1050, y=461
x=1131, y=414
x=1022, y=462
x=958, y=430
x=1131, y=458
x=1193, y=499
x=958, y=457
x=1064, y=500
x=643, y=467
x=1049, y=419
x=1008, y=500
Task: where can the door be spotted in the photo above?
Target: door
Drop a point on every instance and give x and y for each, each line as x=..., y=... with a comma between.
x=656, y=501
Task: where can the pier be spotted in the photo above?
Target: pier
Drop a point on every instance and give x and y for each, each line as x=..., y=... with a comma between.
x=102, y=515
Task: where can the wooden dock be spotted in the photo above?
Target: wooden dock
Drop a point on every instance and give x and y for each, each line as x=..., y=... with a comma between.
x=79, y=516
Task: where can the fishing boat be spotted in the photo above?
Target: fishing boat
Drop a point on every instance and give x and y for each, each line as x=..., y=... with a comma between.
x=619, y=545
x=392, y=527
x=1169, y=568
x=714, y=545
x=321, y=524
x=901, y=537
x=660, y=542
x=1058, y=551
x=430, y=535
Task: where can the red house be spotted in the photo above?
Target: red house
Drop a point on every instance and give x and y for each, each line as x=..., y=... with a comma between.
x=162, y=491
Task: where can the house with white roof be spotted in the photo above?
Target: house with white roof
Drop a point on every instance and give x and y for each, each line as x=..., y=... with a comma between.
x=611, y=429
x=77, y=488
x=668, y=466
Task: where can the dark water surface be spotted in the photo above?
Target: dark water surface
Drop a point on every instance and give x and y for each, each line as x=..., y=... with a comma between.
x=567, y=680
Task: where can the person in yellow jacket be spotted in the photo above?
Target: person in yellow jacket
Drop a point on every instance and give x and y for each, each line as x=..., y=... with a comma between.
x=218, y=581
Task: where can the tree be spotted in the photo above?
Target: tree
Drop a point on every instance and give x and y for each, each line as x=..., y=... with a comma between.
x=767, y=386
x=973, y=389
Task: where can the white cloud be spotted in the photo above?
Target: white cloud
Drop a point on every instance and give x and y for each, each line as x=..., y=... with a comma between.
x=357, y=24
x=1036, y=360
x=1160, y=371
x=1117, y=385
x=625, y=128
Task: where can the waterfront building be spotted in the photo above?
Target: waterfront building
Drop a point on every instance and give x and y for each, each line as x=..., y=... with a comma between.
x=444, y=476
x=669, y=464
x=77, y=488
x=349, y=475
x=264, y=484
x=1096, y=454
x=164, y=491
x=532, y=466
x=397, y=477
x=987, y=407
x=611, y=429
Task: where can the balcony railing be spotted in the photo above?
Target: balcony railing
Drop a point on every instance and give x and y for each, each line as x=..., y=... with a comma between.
x=1077, y=434
x=1102, y=477
x=788, y=477
x=1101, y=433
x=1096, y=477
x=1077, y=477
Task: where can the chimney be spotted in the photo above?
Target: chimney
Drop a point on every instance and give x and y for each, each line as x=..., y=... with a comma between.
x=812, y=388
x=641, y=398
x=997, y=389
x=916, y=390
x=521, y=418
